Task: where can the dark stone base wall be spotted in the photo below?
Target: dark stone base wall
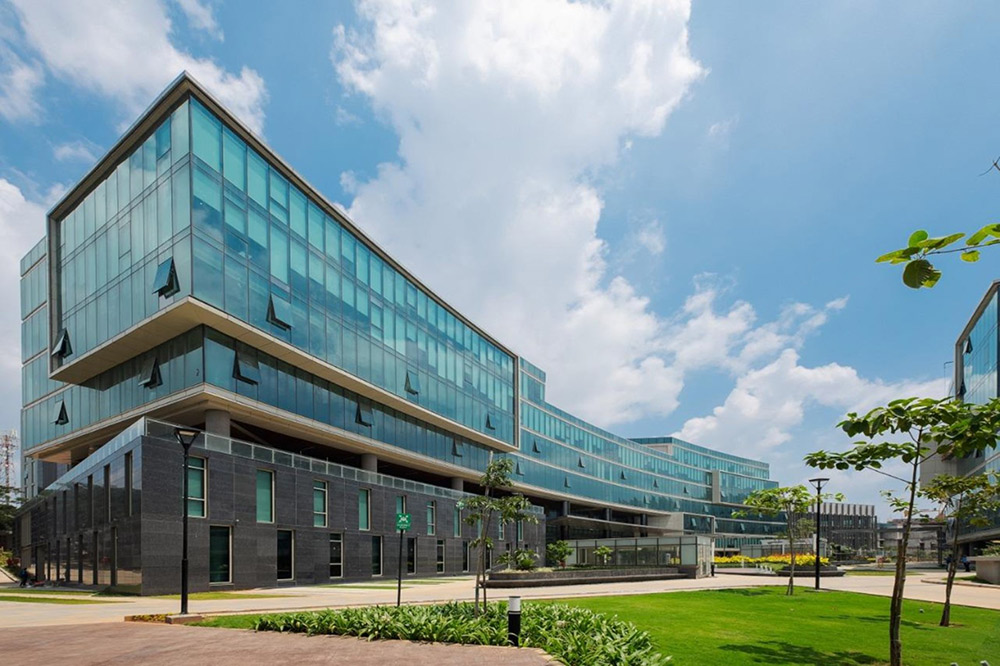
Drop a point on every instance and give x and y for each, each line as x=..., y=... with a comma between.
x=156, y=524
x=232, y=503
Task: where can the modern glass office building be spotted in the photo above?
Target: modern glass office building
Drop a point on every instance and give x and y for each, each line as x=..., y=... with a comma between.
x=976, y=381
x=193, y=277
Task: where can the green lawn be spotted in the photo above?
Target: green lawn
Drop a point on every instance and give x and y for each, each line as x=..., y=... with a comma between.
x=763, y=626
x=44, y=590
x=37, y=599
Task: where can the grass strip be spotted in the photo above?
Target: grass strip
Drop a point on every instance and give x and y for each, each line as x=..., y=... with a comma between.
x=32, y=599
x=210, y=596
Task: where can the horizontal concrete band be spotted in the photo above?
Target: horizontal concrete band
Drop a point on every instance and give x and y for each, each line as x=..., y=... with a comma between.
x=190, y=312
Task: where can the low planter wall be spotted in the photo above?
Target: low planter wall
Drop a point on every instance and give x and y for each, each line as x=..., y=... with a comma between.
x=810, y=572
x=988, y=568
x=580, y=576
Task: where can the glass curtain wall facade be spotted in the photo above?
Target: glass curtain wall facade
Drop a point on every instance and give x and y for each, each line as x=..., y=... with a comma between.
x=977, y=381
x=190, y=208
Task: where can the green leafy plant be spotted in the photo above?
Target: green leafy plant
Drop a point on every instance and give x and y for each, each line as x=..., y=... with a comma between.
x=558, y=551
x=992, y=550
x=603, y=554
x=918, y=271
x=574, y=636
x=521, y=559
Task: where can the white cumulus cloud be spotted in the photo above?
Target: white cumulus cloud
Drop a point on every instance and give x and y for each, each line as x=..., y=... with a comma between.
x=769, y=402
x=74, y=150
x=124, y=51
x=19, y=82
x=502, y=111
x=200, y=16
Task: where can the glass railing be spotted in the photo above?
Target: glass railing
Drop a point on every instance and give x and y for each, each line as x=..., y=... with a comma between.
x=261, y=453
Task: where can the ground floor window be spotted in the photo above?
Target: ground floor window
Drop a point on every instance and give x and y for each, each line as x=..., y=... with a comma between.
x=376, y=556
x=220, y=554
x=440, y=556
x=286, y=554
x=336, y=556
x=411, y=555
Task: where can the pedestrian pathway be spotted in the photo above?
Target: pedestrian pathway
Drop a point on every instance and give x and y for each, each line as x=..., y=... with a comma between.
x=128, y=643
x=920, y=586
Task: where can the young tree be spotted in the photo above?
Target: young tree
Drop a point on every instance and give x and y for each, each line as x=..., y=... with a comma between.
x=923, y=426
x=558, y=551
x=603, y=554
x=483, y=510
x=964, y=500
x=790, y=501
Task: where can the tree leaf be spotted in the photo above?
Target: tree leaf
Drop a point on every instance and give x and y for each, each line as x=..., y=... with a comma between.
x=980, y=236
x=938, y=243
x=917, y=236
x=920, y=273
x=970, y=256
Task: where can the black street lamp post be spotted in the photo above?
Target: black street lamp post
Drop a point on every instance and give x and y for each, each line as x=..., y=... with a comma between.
x=186, y=437
x=818, y=484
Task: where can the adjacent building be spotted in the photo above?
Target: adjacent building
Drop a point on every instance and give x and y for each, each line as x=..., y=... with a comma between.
x=193, y=277
x=850, y=529
x=976, y=381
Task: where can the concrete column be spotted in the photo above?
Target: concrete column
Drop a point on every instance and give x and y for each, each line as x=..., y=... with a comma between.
x=369, y=461
x=217, y=422
x=458, y=483
x=565, y=509
x=607, y=514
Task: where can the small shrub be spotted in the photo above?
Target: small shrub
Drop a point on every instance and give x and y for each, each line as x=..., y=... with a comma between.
x=575, y=636
x=521, y=559
x=558, y=551
x=603, y=554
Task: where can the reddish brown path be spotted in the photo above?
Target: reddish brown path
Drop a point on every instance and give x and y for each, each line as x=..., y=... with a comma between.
x=159, y=644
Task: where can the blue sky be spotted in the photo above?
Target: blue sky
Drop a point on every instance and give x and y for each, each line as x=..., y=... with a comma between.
x=674, y=212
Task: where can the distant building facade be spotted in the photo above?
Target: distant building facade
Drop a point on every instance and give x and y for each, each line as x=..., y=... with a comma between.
x=849, y=528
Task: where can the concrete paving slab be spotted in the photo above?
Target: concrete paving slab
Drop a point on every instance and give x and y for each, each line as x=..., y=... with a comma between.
x=129, y=643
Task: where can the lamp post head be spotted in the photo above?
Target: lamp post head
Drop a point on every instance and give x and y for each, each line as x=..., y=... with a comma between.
x=186, y=436
x=818, y=482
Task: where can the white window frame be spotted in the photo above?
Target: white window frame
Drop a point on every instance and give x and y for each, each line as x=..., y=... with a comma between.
x=368, y=509
x=326, y=503
x=339, y=537
x=255, y=489
x=204, y=486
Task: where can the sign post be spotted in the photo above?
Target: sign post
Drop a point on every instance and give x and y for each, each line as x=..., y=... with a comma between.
x=402, y=524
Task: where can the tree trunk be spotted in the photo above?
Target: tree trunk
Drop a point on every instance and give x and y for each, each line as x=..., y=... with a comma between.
x=946, y=612
x=791, y=549
x=485, y=547
x=896, y=606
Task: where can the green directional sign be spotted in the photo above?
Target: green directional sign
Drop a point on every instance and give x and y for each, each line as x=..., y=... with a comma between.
x=403, y=521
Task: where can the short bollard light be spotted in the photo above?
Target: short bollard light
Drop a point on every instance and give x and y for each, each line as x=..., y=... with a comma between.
x=514, y=621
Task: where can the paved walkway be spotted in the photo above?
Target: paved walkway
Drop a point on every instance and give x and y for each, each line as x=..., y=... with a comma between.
x=19, y=614
x=128, y=643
